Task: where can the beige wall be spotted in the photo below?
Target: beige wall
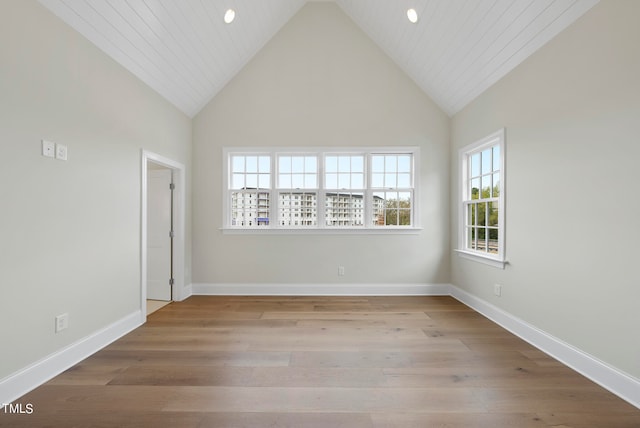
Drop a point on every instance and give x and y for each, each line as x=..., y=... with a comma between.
x=321, y=82
x=572, y=115
x=70, y=230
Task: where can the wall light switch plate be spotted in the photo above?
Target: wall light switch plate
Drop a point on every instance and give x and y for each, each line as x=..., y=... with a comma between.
x=61, y=152
x=48, y=148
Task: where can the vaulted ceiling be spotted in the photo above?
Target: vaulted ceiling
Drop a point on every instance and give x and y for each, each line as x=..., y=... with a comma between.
x=185, y=51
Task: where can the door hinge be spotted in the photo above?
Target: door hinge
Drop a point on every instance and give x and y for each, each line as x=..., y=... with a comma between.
x=172, y=234
x=172, y=186
x=171, y=281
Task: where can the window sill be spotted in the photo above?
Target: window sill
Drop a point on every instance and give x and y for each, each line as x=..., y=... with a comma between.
x=324, y=231
x=480, y=258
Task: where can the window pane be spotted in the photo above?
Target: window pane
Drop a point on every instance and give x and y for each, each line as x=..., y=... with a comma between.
x=496, y=184
x=378, y=208
x=252, y=181
x=475, y=165
x=496, y=158
x=357, y=181
x=486, y=161
x=331, y=164
x=475, y=188
x=252, y=164
x=486, y=186
x=297, y=164
x=391, y=216
x=311, y=181
x=264, y=164
x=377, y=180
x=471, y=238
x=404, y=180
x=482, y=213
x=343, y=181
x=331, y=181
x=404, y=163
x=377, y=163
x=404, y=217
x=285, y=181
x=237, y=181
x=481, y=243
x=493, y=214
x=263, y=181
x=310, y=164
x=390, y=180
x=344, y=163
x=297, y=181
x=471, y=215
x=492, y=241
x=237, y=164
x=391, y=163
x=391, y=200
x=284, y=164
x=404, y=208
x=357, y=164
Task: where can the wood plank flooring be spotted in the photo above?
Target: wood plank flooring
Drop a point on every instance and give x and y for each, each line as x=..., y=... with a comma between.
x=374, y=362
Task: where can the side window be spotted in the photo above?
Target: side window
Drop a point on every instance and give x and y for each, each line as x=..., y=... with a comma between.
x=482, y=204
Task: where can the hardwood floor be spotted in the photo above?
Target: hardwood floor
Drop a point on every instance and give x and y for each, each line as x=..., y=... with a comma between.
x=321, y=362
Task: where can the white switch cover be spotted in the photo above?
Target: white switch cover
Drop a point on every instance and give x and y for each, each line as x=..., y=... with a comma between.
x=61, y=152
x=48, y=148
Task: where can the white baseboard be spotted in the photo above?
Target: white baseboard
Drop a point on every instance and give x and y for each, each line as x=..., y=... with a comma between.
x=187, y=292
x=619, y=383
x=34, y=375
x=321, y=289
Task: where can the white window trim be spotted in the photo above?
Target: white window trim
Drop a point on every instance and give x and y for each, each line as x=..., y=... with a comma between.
x=499, y=260
x=321, y=228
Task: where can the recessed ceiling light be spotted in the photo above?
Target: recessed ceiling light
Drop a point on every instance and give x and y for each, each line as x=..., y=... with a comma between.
x=412, y=15
x=229, y=16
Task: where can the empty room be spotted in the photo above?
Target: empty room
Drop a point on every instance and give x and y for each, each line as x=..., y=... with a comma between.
x=339, y=213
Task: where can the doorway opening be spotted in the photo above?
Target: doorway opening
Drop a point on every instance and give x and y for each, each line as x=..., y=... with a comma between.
x=162, y=232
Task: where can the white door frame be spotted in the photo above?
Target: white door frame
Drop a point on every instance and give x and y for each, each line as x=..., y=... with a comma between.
x=179, y=213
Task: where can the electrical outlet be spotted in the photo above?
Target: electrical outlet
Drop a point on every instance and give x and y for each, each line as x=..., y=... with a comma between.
x=61, y=152
x=497, y=289
x=340, y=270
x=62, y=322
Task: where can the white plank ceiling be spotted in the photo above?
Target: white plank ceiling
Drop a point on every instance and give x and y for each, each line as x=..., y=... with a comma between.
x=184, y=50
